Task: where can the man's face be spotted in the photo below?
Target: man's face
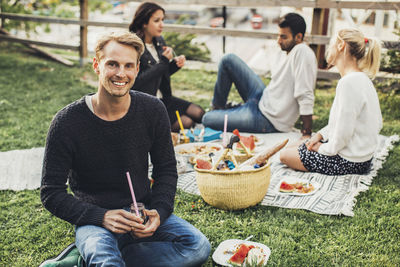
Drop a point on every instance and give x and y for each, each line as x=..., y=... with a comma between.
x=117, y=69
x=285, y=39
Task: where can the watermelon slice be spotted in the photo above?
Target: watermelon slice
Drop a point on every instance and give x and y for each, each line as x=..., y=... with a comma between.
x=203, y=164
x=285, y=187
x=238, y=258
x=248, y=141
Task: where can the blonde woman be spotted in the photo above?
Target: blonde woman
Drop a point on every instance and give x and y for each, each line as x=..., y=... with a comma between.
x=347, y=144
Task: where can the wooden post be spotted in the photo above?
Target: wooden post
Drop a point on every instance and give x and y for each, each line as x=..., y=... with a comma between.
x=320, y=27
x=223, y=26
x=1, y=10
x=83, y=31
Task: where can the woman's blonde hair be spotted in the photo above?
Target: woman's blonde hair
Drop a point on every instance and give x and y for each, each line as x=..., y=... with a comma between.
x=122, y=37
x=367, y=51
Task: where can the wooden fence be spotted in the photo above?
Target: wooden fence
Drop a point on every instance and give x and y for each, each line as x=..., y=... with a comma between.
x=318, y=40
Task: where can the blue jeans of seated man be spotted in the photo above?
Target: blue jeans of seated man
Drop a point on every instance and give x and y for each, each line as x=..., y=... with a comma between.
x=246, y=118
x=175, y=243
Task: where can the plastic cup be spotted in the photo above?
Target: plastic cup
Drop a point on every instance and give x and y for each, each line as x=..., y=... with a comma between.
x=141, y=208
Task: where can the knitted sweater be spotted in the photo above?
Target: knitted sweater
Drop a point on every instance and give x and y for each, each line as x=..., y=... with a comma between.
x=93, y=156
x=290, y=92
x=355, y=120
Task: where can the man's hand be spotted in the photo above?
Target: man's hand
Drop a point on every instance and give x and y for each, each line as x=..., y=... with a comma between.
x=180, y=61
x=167, y=52
x=314, y=143
x=150, y=227
x=121, y=221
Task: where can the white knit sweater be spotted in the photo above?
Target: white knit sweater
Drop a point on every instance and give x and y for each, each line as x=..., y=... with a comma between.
x=355, y=120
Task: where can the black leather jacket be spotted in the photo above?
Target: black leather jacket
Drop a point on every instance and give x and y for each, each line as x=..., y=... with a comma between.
x=153, y=75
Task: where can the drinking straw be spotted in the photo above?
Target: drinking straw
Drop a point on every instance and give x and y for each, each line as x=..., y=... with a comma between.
x=225, y=127
x=128, y=176
x=180, y=122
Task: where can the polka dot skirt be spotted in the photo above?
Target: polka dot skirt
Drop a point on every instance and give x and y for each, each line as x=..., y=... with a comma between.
x=331, y=165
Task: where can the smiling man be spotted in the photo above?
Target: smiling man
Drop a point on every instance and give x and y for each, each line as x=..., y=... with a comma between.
x=92, y=143
x=277, y=107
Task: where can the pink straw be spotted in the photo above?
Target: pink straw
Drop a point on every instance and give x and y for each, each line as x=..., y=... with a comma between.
x=128, y=176
x=225, y=127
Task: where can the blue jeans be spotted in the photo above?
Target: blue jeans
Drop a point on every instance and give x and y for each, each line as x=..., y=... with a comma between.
x=246, y=118
x=175, y=243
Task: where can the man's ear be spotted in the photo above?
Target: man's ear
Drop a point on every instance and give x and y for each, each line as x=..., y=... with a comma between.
x=298, y=38
x=96, y=66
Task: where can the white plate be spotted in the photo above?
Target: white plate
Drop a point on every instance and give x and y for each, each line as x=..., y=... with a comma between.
x=222, y=258
x=293, y=180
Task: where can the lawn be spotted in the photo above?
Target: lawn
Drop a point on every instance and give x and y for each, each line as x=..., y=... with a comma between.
x=32, y=90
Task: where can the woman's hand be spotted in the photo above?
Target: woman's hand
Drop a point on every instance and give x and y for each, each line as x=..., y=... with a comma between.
x=168, y=52
x=150, y=227
x=180, y=61
x=313, y=143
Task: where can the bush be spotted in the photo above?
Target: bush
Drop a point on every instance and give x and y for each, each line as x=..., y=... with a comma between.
x=182, y=45
x=391, y=59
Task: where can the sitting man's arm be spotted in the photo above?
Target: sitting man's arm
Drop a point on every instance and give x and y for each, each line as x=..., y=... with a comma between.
x=307, y=126
x=57, y=164
x=164, y=164
x=305, y=72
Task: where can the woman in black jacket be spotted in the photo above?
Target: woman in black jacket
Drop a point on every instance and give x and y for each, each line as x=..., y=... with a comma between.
x=158, y=63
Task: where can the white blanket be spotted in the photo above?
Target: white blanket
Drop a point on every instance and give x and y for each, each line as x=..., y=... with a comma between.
x=335, y=195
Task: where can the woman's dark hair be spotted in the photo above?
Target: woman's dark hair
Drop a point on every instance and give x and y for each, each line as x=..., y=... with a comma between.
x=295, y=22
x=142, y=16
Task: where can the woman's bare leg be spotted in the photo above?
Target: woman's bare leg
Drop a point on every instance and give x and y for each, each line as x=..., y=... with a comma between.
x=290, y=156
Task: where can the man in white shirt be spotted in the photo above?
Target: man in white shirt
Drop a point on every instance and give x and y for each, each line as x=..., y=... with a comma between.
x=277, y=107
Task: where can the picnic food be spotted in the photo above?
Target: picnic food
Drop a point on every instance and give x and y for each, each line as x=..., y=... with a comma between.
x=299, y=187
x=256, y=257
x=203, y=164
x=240, y=255
x=175, y=138
x=199, y=149
x=248, y=141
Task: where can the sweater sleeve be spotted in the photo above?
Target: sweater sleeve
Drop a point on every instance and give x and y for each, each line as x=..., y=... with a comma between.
x=305, y=75
x=53, y=191
x=164, y=165
x=343, y=117
x=173, y=67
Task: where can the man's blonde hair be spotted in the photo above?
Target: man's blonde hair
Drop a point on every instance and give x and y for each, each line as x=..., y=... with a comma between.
x=122, y=37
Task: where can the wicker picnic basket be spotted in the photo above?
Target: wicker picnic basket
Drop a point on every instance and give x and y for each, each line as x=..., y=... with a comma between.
x=233, y=190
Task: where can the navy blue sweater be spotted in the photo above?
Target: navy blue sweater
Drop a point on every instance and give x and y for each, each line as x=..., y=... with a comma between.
x=93, y=155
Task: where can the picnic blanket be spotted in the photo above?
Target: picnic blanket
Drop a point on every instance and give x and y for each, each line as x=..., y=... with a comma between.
x=21, y=169
x=336, y=195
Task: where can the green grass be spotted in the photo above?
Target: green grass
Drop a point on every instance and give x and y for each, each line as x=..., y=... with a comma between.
x=32, y=90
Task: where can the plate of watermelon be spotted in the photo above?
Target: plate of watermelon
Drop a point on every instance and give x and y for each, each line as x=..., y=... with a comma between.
x=295, y=186
x=236, y=252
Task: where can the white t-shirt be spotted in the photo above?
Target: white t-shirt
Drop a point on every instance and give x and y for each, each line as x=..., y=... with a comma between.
x=290, y=92
x=355, y=120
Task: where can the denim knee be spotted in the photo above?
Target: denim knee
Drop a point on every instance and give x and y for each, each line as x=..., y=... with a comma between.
x=228, y=60
x=98, y=246
x=203, y=249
